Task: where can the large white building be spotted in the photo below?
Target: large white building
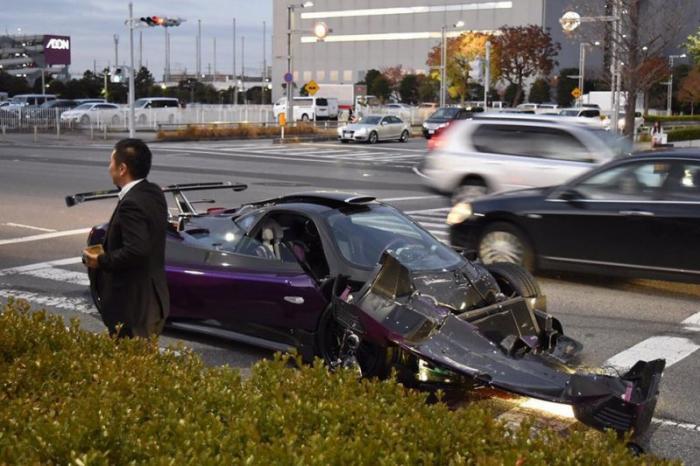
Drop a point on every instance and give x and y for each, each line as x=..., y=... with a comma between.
x=369, y=34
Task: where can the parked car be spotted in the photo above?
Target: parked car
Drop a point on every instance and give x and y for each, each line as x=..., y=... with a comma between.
x=402, y=111
x=488, y=154
x=24, y=100
x=426, y=109
x=375, y=128
x=153, y=110
x=359, y=284
x=94, y=113
x=582, y=112
x=443, y=118
x=309, y=108
x=636, y=217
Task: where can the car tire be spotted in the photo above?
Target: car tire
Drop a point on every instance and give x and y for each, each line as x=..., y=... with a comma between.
x=85, y=120
x=469, y=189
x=514, y=280
x=344, y=141
x=373, y=137
x=374, y=361
x=404, y=136
x=305, y=117
x=115, y=120
x=503, y=242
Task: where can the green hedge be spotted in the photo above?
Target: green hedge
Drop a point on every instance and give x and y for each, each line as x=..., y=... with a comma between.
x=684, y=134
x=72, y=397
x=664, y=118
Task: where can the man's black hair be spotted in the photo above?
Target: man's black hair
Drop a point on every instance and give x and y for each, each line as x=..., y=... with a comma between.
x=135, y=154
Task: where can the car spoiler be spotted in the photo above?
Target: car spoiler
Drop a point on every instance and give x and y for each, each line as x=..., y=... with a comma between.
x=183, y=203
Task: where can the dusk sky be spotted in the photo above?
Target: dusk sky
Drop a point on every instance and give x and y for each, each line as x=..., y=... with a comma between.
x=91, y=25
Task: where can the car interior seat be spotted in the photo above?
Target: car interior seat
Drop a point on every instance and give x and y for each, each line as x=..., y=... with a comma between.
x=271, y=235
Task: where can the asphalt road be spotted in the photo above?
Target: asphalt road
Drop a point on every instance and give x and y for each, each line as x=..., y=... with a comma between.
x=40, y=240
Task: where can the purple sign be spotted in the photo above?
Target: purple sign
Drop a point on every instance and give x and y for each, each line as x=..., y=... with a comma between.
x=288, y=78
x=57, y=50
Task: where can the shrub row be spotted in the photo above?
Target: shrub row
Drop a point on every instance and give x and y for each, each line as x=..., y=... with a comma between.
x=242, y=131
x=684, y=134
x=664, y=118
x=72, y=397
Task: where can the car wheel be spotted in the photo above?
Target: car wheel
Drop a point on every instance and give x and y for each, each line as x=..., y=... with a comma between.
x=374, y=361
x=85, y=120
x=502, y=242
x=373, y=137
x=469, y=189
x=344, y=141
x=305, y=117
x=115, y=120
x=404, y=136
x=514, y=280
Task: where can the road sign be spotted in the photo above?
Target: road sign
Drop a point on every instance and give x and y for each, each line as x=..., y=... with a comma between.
x=576, y=93
x=312, y=87
x=288, y=78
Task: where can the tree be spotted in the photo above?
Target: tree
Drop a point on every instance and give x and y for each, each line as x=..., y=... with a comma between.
x=647, y=29
x=692, y=44
x=539, y=91
x=689, y=91
x=408, y=89
x=12, y=84
x=380, y=88
x=525, y=51
x=427, y=88
x=394, y=75
x=565, y=85
x=143, y=82
x=513, y=94
x=463, y=53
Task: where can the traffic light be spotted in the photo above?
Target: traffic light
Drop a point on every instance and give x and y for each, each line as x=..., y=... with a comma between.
x=161, y=21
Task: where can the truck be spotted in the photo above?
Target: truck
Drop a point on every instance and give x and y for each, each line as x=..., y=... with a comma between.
x=351, y=97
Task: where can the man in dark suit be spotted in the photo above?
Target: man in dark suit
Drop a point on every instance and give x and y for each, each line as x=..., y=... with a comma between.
x=132, y=268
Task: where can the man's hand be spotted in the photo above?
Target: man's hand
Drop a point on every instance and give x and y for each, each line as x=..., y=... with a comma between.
x=90, y=258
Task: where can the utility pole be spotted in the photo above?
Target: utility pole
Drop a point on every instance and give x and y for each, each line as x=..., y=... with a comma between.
x=263, y=84
x=233, y=75
x=199, y=48
x=131, y=70
x=140, y=49
x=581, y=70
x=214, y=78
x=116, y=50
x=487, y=75
x=245, y=98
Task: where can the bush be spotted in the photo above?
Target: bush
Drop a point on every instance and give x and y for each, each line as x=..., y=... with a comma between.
x=664, y=118
x=72, y=397
x=239, y=131
x=539, y=92
x=684, y=134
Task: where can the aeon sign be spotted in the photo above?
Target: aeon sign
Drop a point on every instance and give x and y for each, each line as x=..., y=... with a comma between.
x=57, y=50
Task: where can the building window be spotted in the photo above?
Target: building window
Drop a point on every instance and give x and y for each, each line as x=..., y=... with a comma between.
x=307, y=76
x=320, y=75
x=334, y=75
x=407, y=10
x=347, y=75
x=296, y=76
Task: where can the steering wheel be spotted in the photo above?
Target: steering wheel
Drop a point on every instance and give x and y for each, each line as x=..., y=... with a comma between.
x=409, y=252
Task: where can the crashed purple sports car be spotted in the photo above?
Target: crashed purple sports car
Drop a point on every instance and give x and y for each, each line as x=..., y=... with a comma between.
x=358, y=283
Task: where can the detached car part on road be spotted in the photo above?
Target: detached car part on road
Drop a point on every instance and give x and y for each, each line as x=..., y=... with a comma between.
x=358, y=283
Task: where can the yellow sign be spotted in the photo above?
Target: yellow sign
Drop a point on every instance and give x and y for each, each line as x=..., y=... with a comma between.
x=312, y=87
x=576, y=93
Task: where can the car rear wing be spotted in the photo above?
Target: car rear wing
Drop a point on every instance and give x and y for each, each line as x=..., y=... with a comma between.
x=184, y=205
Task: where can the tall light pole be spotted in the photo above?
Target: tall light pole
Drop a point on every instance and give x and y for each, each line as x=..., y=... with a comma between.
x=570, y=21
x=233, y=68
x=116, y=49
x=443, y=60
x=487, y=74
x=131, y=70
x=264, y=68
x=669, y=97
x=290, y=84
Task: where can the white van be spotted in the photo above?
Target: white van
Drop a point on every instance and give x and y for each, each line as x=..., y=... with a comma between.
x=25, y=100
x=153, y=110
x=309, y=108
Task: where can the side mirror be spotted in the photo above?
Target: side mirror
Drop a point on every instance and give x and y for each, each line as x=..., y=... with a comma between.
x=569, y=195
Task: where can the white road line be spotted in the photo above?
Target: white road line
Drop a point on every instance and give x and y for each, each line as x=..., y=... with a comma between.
x=397, y=149
x=692, y=323
x=40, y=265
x=60, y=302
x=672, y=349
x=441, y=209
x=408, y=198
x=19, y=225
x=60, y=275
x=431, y=224
x=681, y=425
x=56, y=234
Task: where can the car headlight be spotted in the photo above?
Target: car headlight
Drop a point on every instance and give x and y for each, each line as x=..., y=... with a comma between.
x=361, y=131
x=459, y=213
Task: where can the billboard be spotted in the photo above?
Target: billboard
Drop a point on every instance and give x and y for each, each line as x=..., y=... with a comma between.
x=57, y=50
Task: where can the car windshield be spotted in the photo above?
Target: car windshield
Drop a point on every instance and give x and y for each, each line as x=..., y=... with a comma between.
x=140, y=103
x=569, y=112
x=370, y=120
x=85, y=106
x=445, y=113
x=363, y=234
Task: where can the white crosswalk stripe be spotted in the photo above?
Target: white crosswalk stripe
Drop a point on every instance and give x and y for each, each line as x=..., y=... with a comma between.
x=433, y=220
x=308, y=151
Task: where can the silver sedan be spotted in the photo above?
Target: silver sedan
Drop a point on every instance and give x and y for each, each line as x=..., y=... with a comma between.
x=373, y=128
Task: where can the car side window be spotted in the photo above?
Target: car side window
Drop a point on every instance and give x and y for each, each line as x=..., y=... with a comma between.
x=641, y=181
x=557, y=144
x=685, y=186
x=508, y=140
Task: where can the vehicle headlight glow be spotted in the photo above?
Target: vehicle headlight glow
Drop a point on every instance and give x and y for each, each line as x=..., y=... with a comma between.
x=459, y=213
x=361, y=131
x=553, y=409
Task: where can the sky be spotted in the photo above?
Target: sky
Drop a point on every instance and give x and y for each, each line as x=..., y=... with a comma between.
x=91, y=24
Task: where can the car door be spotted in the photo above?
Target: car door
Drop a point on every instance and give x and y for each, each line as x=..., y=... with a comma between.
x=215, y=274
x=384, y=128
x=678, y=220
x=396, y=127
x=606, y=219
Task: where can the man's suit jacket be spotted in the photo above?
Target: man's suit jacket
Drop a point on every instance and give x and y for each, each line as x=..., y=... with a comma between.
x=132, y=280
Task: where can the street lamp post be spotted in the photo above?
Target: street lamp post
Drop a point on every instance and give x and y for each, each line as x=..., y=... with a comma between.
x=290, y=13
x=487, y=74
x=131, y=70
x=443, y=60
x=669, y=97
x=570, y=21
